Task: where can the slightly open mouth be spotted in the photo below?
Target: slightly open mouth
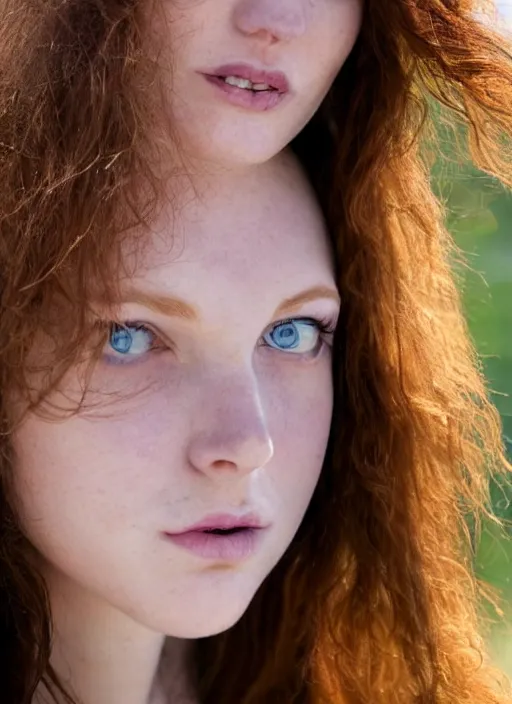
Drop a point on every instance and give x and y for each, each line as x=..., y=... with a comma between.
x=224, y=531
x=246, y=84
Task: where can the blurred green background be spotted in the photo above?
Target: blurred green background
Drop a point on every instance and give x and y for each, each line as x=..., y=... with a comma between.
x=480, y=218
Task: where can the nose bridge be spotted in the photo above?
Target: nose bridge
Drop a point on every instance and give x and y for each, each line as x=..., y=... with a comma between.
x=231, y=429
x=280, y=19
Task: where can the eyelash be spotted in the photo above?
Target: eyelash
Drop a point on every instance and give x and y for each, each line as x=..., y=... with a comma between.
x=324, y=325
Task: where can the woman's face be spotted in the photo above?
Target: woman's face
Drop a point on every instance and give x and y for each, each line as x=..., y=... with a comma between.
x=211, y=405
x=280, y=58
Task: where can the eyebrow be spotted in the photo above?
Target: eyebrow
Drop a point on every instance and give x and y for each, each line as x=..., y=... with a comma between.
x=170, y=306
x=163, y=305
x=310, y=294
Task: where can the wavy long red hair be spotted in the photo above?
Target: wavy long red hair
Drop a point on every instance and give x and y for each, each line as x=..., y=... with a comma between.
x=376, y=600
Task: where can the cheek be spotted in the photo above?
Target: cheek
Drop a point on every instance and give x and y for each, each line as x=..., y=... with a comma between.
x=90, y=468
x=300, y=424
x=341, y=25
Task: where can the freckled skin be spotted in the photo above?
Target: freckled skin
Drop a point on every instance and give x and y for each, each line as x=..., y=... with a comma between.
x=211, y=421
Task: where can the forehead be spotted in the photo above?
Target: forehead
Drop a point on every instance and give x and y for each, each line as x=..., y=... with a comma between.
x=263, y=227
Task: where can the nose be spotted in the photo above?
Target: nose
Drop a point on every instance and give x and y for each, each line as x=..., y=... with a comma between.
x=231, y=435
x=272, y=20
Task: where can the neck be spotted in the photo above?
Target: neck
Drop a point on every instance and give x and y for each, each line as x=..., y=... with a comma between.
x=102, y=656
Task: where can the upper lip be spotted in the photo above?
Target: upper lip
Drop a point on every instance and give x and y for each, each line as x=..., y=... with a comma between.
x=224, y=521
x=275, y=79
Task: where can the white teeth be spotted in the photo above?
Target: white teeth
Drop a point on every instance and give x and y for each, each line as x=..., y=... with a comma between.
x=238, y=82
x=246, y=83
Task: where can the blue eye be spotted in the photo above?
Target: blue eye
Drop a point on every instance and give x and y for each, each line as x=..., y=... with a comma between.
x=130, y=339
x=297, y=336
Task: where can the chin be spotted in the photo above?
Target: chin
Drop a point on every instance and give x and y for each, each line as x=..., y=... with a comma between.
x=240, y=155
x=236, y=148
x=200, y=624
x=204, y=613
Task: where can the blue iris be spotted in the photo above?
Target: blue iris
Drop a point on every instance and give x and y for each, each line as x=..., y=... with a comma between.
x=294, y=335
x=130, y=339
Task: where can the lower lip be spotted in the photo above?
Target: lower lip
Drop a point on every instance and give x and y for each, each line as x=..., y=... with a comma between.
x=249, y=99
x=231, y=547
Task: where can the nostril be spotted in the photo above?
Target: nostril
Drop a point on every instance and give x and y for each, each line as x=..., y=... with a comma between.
x=226, y=465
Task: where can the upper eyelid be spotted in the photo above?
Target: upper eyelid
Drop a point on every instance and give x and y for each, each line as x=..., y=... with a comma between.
x=166, y=338
x=156, y=330
x=303, y=318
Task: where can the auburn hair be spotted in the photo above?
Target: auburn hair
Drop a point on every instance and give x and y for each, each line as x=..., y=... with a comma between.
x=376, y=600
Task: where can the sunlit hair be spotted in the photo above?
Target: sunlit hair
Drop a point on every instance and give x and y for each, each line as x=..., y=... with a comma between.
x=375, y=601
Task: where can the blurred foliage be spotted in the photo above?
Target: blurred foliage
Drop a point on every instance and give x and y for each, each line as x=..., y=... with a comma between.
x=479, y=215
